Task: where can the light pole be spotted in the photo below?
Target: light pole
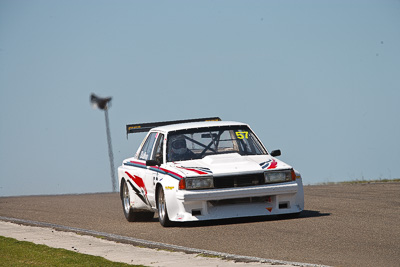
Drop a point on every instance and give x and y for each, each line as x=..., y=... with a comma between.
x=103, y=104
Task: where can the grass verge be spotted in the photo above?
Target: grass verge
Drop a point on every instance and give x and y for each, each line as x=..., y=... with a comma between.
x=363, y=181
x=23, y=253
x=370, y=181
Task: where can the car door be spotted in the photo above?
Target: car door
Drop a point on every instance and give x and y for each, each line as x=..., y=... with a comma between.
x=142, y=173
x=152, y=175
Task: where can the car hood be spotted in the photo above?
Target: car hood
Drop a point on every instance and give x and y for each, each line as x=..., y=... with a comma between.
x=230, y=164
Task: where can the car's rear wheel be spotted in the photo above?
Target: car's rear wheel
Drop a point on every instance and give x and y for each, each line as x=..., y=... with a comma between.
x=162, y=208
x=130, y=214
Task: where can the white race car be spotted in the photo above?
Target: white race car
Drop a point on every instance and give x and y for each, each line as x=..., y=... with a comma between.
x=205, y=169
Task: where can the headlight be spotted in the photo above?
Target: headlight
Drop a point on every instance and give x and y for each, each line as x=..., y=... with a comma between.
x=199, y=182
x=279, y=176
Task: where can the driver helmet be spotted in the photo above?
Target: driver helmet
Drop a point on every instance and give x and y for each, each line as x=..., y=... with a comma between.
x=179, y=144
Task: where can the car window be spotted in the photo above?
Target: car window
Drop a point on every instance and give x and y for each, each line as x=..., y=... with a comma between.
x=198, y=143
x=145, y=153
x=158, y=149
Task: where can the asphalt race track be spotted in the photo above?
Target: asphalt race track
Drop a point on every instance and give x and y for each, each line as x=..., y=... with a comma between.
x=343, y=225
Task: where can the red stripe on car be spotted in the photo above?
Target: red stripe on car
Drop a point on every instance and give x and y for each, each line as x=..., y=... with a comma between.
x=137, y=180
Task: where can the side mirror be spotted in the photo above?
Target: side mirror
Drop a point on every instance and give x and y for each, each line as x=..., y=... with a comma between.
x=275, y=153
x=151, y=162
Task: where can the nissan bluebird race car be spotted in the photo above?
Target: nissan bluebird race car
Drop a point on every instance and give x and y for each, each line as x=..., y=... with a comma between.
x=205, y=169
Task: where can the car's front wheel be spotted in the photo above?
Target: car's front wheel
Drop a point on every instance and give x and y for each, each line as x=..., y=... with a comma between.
x=130, y=214
x=162, y=208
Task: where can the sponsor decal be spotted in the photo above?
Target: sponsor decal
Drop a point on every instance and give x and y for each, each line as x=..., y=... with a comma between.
x=134, y=127
x=269, y=209
x=169, y=187
x=270, y=164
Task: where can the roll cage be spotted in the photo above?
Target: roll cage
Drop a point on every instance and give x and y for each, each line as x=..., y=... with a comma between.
x=234, y=139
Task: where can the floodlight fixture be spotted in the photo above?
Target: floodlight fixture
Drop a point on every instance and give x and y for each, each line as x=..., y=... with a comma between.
x=104, y=104
x=99, y=102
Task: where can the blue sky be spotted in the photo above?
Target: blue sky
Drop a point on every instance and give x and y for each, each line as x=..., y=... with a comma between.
x=318, y=79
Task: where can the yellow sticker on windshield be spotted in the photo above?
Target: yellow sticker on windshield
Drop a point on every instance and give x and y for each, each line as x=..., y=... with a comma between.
x=242, y=135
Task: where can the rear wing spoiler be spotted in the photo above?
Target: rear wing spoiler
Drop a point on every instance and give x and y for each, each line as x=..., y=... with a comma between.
x=145, y=127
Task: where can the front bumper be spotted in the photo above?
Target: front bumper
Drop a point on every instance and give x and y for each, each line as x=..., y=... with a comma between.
x=269, y=199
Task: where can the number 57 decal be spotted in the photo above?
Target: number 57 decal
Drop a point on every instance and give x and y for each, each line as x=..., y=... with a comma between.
x=242, y=135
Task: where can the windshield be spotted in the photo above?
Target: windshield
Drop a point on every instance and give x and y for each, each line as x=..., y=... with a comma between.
x=198, y=143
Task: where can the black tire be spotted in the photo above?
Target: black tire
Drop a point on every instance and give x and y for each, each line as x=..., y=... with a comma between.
x=130, y=214
x=162, y=208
